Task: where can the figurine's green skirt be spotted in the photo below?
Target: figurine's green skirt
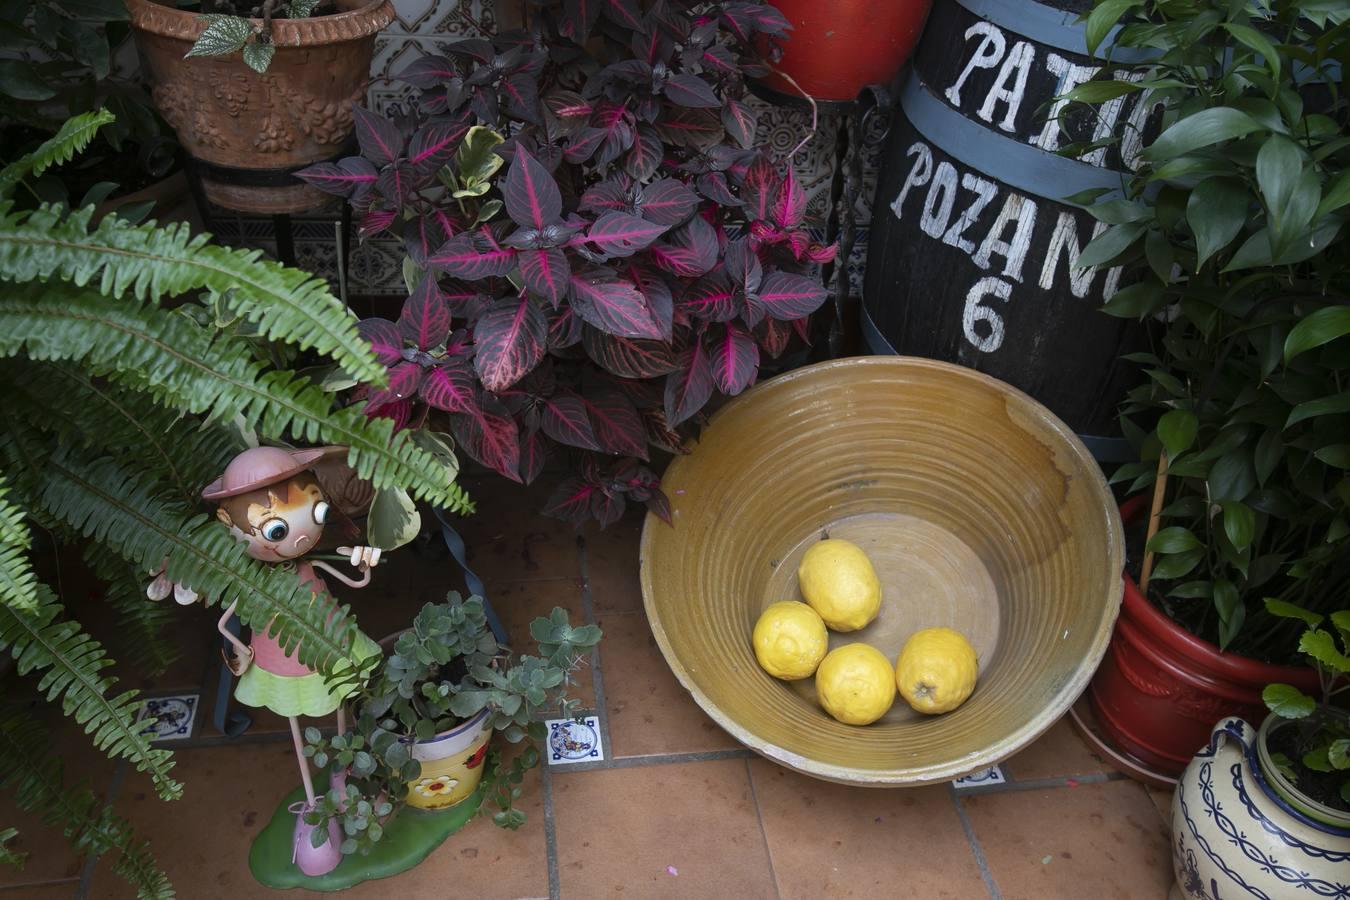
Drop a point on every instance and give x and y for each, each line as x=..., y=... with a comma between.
x=301, y=695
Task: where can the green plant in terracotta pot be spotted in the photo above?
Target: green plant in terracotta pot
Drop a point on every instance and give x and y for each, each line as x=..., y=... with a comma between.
x=424, y=720
x=1233, y=227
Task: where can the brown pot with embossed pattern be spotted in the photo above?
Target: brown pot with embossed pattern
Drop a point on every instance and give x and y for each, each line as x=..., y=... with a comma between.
x=1160, y=689
x=251, y=132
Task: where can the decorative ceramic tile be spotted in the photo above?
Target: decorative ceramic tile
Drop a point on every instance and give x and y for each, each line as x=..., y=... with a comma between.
x=990, y=776
x=781, y=129
x=572, y=741
x=169, y=718
x=857, y=260
x=875, y=129
x=464, y=18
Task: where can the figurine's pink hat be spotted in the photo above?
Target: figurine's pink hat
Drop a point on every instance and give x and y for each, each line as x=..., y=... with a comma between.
x=261, y=466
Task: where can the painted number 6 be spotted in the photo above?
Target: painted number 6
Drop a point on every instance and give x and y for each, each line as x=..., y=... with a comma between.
x=975, y=311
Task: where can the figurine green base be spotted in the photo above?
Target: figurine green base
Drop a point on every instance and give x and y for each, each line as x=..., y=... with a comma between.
x=408, y=840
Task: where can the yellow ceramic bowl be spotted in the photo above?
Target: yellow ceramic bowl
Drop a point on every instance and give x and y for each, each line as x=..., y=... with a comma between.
x=980, y=511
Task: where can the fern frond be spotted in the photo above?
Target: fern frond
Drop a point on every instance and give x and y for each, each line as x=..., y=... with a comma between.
x=73, y=137
x=8, y=855
x=206, y=373
x=152, y=262
x=18, y=585
x=128, y=424
x=73, y=662
x=144, y=621
x=34, y=773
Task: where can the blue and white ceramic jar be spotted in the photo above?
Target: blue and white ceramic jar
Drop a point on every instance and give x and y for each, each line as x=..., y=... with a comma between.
x=1237, y=834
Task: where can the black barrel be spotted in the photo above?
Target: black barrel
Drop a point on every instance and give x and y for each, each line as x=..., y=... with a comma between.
x=972, y=240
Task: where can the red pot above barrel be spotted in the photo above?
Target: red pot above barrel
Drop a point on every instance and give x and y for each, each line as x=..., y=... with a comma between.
x=838, y=47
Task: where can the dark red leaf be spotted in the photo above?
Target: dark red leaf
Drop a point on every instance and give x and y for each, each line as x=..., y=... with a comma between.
x=399, y=412
x=522, y=97
x=659, y=505
x=645, y=158
x=818, y=253
x=545, y=273
x=564, y=328
x=434, y=143
x=612, y=305
x=621, y=234
x=571, y=501
x=469, y=255
x=659, y=432
x=691, y=251
x=608, y=195
x=666, y=202
x=743, y=265
x=744, y=19
x=531, y=195
x=626, y=357
x=424, y=234
x=689, y=386
x=380, y=140
x=473, y=48
x=428, y=72
x=711, y=298
x=735, y=359
x=583, y=145
x=509, y=338
x=654, y=287
x=618, y=427
x=789, y=206
x=404, y=380
x=375, y=220
x=425, y=319
x=713, y=185
x=718, y=58
x=346, y=177
x=384, y=339
x=568, y=105
x=533, y=454
x=785, y=296
x=565, y=420
x=579, y=17
x=759, y=188
x=691, y=92
x=623, y=12
x=452, y=388
x=491, y=438
x=607, y=508
x=773, y=336
x=395, y=183
x=803, y=328
x=697, y=128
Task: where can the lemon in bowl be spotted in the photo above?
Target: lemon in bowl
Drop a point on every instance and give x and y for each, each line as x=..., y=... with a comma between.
x=856, y=684
x=790, y=640
x=838, y=580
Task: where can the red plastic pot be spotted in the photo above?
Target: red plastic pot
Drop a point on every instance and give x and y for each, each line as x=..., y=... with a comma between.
x=838, y=47
x=1160, y=689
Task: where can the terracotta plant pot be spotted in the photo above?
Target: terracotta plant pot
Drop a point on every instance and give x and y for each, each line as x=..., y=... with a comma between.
x=838, y=47
x=252, y=131
x=1160, y=689
x=1234, y=835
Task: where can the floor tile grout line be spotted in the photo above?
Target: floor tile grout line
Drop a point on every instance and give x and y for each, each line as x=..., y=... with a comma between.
x=764, y=834
x=969, y=828
x=1037, y=784
x=551, y=837
x=12, y=890
x=119, y=777
x=659, y=759
x=597, y=675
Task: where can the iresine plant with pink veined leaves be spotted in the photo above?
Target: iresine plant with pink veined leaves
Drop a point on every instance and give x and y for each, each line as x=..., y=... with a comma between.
x=594, y=244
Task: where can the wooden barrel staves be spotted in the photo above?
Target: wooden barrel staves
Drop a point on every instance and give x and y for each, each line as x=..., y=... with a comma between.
x=972, y=240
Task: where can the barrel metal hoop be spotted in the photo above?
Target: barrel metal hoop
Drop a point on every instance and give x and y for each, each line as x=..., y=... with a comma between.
x=1103, y=449
x=1057, y=28
x=1023, y=166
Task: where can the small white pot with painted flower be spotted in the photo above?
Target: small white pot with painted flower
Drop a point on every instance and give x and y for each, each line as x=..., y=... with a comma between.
x=452, y=764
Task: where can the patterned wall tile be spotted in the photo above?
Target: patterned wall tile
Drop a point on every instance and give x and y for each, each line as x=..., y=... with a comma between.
x=781, y=128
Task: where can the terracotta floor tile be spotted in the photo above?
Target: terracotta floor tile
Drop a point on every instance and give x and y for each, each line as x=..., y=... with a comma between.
x=59, y=890
x=1162, y=801
x=203, y=840
x=685, y=830
x=521, y=602
x=612, y=563
x=1057, y=753
x=831, y=840
x=509, y=539
x=649, y=712
x=1103, y=840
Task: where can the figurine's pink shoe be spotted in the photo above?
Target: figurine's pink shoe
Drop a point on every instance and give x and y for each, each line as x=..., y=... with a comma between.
x=314, y=861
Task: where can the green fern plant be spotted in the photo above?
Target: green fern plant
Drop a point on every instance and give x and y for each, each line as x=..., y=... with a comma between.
x=134, y=358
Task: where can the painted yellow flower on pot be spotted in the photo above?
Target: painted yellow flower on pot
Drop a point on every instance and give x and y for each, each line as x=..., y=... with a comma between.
x=432, y=788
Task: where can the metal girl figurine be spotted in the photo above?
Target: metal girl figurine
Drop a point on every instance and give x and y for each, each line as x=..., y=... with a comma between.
x=270, y=498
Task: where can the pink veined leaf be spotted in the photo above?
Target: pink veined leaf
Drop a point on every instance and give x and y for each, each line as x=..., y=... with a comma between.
x=743, y=265
x=565, y=420
x=711, y=298
x=714, y=186
x=467, y=256
x=659, y=432
x=424, y=234
x=718, y=58
x=473, y=48
x=376, y=220
x=618, y=427
x=659, y=505
x=818, y=253
x=384, y=339
x=667, y=202
x=735, y=359
x=522, y=97
x=789, y=207
x=785, y=296
x=490, y=438
x=545, y=273
x=744, y=19
x=773, y=336
x=607, y=508
x=404, y=380
x=380, y=140
x=759, y=187
x=740, y=122
x=533, y=455
x=344, y=178
x=583, y=145
x=579, y=17
x=399, y=412
x=451, y=388
x=621, y=234
x=428, y=72
x=644, y=158
x=689, y=386
x=434, y=143
x=623, y=12
x=510, y=340
x=612, y=305
x=425, y=319
x=628, y=357
x=604, y=196
x=656, y=290
x=395, y=183
x=686, y=127
x=691, y=251
x=531, y=195
x=568, y=105
x=692, y=92
x=798, y=242
x=564, y=328
x=803, y=328
x=571, y=501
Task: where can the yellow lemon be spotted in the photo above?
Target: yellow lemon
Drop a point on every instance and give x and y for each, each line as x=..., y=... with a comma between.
x=936, y=670
x=839, y=582
x=790, y=640
x=855, y=684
